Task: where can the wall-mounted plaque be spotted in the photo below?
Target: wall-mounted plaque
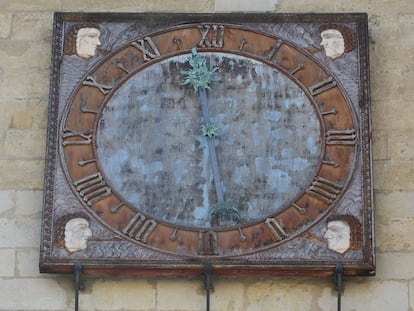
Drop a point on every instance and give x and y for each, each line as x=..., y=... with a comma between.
x=240, y=140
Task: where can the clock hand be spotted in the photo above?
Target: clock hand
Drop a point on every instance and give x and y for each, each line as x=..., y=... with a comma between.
x=209, y=130
x=199, y=76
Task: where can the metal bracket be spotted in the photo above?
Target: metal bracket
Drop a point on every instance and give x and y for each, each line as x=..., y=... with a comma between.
x=339, y=272
x=77, y=273
x=208, y=273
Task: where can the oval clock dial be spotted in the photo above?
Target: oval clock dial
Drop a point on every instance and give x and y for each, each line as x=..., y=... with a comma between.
x=151, y=149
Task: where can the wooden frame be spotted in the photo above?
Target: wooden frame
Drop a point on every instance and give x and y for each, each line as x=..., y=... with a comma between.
x=298, y=244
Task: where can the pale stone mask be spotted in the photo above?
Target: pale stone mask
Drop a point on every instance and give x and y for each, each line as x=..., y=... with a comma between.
x=77, y=233
x=333, y=43
x=87, y=40
x=338, y=236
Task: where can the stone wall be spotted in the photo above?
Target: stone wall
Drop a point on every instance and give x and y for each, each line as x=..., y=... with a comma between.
x=25, y=44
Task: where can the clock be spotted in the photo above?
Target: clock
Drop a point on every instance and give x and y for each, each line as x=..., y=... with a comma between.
x=239, y=140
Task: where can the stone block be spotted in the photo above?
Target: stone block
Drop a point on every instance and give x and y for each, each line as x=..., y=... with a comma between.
x=139, y=6
x=384, y=58
x=6, y=113
x=393, y=175
x=5, y=25
x=379, y=144
x=20, y=232
x=21, y=119
x=386, y=87
x=38, y=109
x=7, y=200
x=174, y=294
x=394, y=266
x=401, y=145
x=283, y=293
x=406, y=23
x=1, y=74
x=308, y=6
x=356, y=6
x=23, y=113
x=7, y=262
x=407, y=6
x=406, y=84
x=387, y=8
x=123, y=294
x=27, y=262
x=27, y=83
x=30, y=5
x=32, y=294
x=19, y=54
x=29, y=203
x=397, y=204
x=411, y=289
x=245, y=5
x=227, y=295
x=392, y=114
x=394, y=234
x=8, y=110
x=23, y=144
x=368, y=294
x=32, y=26
x=2, y=134
x=21, y=174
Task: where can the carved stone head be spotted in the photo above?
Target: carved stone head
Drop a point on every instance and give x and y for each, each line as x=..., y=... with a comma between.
x=343, y=233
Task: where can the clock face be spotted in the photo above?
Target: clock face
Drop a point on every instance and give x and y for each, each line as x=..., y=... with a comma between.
x=244, y=165
x=155, y=157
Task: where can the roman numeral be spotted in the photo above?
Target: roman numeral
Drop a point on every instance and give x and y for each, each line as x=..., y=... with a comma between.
x=207, y=243
x=324, y=190
x=90, y=81
x=83, y=137
x=341, y=137
x=217, y=36
x=83, y=106
x=92, y=188
x=322, y=86
x=140, y=228
x=276, y=229
x=178, y=42
x=148, y=48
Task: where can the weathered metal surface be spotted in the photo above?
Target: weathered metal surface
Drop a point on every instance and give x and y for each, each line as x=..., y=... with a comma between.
x=159, y=124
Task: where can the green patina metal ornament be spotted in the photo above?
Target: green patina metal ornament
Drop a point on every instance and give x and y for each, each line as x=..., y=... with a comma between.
x=226, y=211
x=209, y=130
x=199, y=76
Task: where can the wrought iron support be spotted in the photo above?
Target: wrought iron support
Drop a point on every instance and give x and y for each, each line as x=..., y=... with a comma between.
x=339, y=272
x=77, y=272
x=208, y=273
